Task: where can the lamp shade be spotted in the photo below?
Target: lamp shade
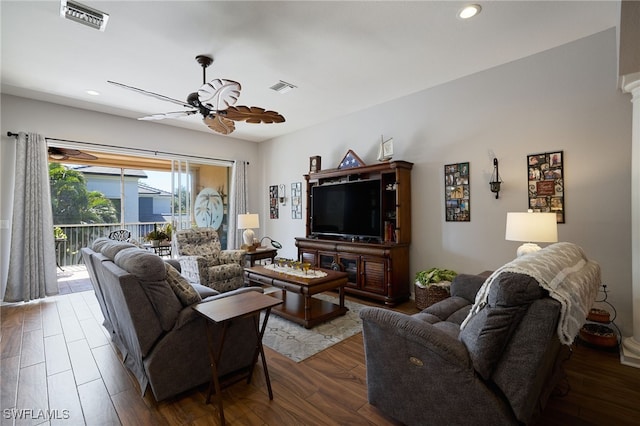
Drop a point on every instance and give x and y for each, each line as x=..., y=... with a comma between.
x=248, y=221
x=531, y=228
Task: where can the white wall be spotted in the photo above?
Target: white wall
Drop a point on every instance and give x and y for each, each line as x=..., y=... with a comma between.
x=563, y=99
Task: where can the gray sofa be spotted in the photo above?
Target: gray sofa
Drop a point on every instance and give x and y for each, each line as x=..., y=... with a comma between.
x=499, y=368
x=146, y=306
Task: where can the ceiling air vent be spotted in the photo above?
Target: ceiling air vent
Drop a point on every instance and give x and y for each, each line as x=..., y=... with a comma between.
x=83, y=14
x=282, y=87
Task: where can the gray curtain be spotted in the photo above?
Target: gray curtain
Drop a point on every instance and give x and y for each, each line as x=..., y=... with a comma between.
x=32, y=263
x=238, y=204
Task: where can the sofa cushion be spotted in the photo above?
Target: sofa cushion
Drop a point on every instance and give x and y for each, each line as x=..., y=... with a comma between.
x=448, y=307
x=112, y=247
x=98, y=243
x=181, y=287
x=150, y=271
x=467, y=286
x=488, y=331
x=142, y=263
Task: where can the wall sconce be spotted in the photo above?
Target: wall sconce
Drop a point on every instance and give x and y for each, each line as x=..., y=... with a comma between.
x=282, y=196
x=495, y=181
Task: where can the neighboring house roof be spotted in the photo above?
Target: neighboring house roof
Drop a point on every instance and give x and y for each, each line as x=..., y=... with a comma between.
x=109, y=171
x=144, y=189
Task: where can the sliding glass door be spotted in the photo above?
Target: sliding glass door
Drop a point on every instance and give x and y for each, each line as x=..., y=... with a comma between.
x=135, y=193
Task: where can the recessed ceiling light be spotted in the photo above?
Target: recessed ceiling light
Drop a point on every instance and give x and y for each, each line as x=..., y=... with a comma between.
x=92, y=93
x=469, y=11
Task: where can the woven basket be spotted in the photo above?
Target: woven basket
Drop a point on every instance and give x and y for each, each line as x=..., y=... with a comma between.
x=426, y=297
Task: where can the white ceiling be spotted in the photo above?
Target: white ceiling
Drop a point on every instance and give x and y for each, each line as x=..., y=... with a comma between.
x=343, y=56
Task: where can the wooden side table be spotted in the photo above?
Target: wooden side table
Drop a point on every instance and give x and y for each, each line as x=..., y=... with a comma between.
x=259, y=254
x=222, y=311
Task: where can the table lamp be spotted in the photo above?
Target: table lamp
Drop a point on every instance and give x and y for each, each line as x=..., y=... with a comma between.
x=247, y=222
x=531, y=228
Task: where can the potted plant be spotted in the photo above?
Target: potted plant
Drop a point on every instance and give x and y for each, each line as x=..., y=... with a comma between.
x=156, y=236
x=59, y=234
x=432, y=285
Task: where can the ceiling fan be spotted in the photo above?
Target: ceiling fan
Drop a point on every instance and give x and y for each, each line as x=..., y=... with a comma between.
x=215, y=101
x=59, y=154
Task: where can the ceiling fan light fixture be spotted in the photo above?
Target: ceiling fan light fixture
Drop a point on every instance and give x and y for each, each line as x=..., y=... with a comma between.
x=55, y=156
x=83, y=14
x=283, y=87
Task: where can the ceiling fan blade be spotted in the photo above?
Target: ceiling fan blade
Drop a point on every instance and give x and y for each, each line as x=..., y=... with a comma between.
x=65, y=153
x=219, y=94
x=85, y=156
x=153, y=95
x=253, y=115
x=219, y=124
x=162, y=116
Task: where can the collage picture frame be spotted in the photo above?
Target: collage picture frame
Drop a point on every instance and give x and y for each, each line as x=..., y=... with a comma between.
x=273, y=202
x=457, y=195
x=296, y=200
x=546, y=183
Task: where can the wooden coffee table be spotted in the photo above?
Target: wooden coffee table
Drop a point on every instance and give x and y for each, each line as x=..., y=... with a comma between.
x=298, y=304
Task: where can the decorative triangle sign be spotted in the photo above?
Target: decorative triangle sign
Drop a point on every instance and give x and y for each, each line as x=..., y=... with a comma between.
x=351, y=160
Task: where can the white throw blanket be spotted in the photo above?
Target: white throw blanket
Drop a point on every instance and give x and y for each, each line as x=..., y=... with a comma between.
x=564, y=270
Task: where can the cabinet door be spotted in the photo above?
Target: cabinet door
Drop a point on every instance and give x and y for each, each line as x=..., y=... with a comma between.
x=374, y=274
x=308, y=256
x=350, y=265
x=326, y=259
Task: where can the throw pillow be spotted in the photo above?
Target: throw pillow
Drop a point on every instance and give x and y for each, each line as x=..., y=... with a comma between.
x=181, y=287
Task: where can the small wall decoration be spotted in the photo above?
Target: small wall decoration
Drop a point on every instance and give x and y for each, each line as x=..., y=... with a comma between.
x=273, y=202
x=546, y=183
x=315, y=163
x=350, y=160
x=296, y=200
x=456, y=192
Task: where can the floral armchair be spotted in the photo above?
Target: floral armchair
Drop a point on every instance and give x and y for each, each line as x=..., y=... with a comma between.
x=202, y=260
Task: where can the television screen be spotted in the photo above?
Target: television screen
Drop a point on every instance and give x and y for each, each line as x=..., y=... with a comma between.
x=346, y=209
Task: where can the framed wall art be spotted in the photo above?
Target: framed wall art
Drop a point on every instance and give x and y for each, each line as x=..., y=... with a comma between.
x=546, y=183
x=456, y=192
x=296, y=200
x=273, y=202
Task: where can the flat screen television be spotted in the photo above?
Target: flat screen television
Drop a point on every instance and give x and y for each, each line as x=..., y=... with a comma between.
x=347, y=209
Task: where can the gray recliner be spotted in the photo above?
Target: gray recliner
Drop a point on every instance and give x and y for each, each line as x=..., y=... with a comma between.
x=500, y=369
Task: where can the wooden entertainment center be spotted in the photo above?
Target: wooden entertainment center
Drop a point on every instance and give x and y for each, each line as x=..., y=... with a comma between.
x=377, y=268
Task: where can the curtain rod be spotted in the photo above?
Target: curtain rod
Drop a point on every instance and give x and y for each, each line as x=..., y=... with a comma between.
x=12, y=134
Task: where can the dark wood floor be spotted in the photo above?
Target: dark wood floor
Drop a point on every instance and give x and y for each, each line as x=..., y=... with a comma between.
x=55, y=356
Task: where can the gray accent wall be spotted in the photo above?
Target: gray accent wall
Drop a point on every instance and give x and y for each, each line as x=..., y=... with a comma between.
x=564, y=99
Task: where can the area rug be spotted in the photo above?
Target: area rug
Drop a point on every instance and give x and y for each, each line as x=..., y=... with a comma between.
x=298, y=343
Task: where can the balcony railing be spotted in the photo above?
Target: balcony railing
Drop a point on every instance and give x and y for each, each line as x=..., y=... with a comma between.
x=78, y=236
